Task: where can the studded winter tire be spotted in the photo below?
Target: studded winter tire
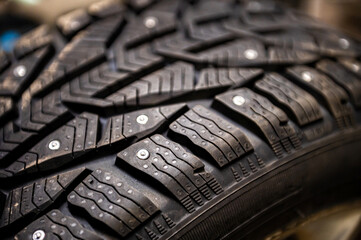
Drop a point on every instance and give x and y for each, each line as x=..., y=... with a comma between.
x=177, y=120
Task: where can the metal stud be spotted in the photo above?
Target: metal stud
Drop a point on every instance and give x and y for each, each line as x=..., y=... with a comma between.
x=307, y=76
x=355, y=67
x=19, y=71
x=344, y=43
x=142, y=119
x=238, y=100
x=74, y=25
x=39, y=235
x=250, y=54
x=143, y=154
x=150, y=22
x=54, y=145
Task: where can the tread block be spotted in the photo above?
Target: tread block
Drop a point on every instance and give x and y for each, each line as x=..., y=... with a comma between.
x=281, y=55
x=139, y=5
x=137, y=59
x=336, y=44
x=335, y=98
x=342, y=77
x=105, y=8
x=21, y=73
x=37, y=114
x=112, y=201
x=266, y=21
x=258, y=110
x=222, y=140
x=72, y=22
x=225, y=77
x=352, y=65
x=11, y=138
x=203, y=20
x=147, y=26
x=56, y=225
x=4, y=60
x=180, y=172
x=208, y=11
x=173, y=81
x=292, y=38
x=303, y=106
x=6, y=107
x=179, y=79
x=177, y=46
x=33, y=40
x=67, y=142
x=237, y=53
x=36, y=197
x=97, y=81
x=138, y=124
x=85, y=50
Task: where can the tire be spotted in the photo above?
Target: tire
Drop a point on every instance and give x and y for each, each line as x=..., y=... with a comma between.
x=177, y=120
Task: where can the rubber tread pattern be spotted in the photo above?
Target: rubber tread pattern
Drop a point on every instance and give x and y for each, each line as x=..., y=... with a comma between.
x=175, y=168
x=118, y=59
x=4, y=60
x=35, y=198
x=344, y=78
x=303, y=105
x=105, y=8
x=56, y=225
x=79, y=136
x=6, y=107
x=73, y=21
x=271, y=120
x=112, y=201
x=20, y=74
x=222, y=140
x=176, y=80
x=86, y=49
x=335, y=97
x=72, y=140
x=33, y=40
x=127, y=126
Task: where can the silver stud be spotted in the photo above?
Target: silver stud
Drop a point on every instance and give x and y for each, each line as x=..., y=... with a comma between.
x=355, y=67
x=250, y=54
x=344, y=43
x=238, y=100
x=307, y=76
x=74, y=25
x=39, y=235
x=20, y=71
x=142, y=119
x=54, y=145
x=143, y=154
x=150, y=22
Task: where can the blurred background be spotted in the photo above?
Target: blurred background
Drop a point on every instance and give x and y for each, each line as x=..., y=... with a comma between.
x=19, y=16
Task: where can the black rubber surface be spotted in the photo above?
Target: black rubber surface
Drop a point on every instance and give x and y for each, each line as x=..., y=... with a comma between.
x=177, y=119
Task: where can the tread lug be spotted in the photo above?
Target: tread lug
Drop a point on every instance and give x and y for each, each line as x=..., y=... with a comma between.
x=344, y=78
x=20, y=201
x=301, y=104
x=71, y=140
x=221, y=139
x=335, y=98
x=112, y=201
x=271, y=120
x=73, y=21
x=56, y=225
x=33, y=40
x=169, y=164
